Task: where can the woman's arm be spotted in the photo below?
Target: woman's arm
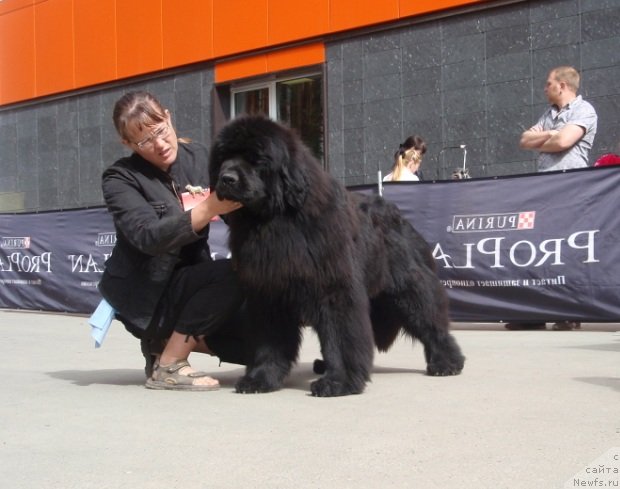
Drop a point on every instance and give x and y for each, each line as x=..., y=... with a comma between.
x=145, y=212
x=148, y=213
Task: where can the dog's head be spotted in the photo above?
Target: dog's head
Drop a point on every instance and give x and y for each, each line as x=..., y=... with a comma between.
x=257, y=162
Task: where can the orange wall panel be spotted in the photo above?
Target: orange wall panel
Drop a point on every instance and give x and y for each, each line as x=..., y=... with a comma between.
x=10, y=5
x=348, y=14
x=139, y=37
x=53, y=28
x=285, y=59
x=261, y=64
x=241, y=68
x=187, y=31
x=413, y=7
x=17, y=58
x=239, y=25
x=292, y=21
x=95, y=41
x=55, y=45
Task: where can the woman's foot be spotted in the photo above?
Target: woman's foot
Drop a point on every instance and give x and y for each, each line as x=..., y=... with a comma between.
x=152, y=349
x=179, y=375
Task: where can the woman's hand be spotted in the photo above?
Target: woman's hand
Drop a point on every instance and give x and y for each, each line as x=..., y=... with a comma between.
x=222, y=206
x=209, y=208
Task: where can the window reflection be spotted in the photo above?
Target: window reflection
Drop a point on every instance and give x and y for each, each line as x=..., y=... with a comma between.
x=297, y=102
x=252, y=102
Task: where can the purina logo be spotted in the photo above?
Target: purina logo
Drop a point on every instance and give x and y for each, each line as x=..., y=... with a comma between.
x=15, y=243
x=481, y=223
x=106, y=239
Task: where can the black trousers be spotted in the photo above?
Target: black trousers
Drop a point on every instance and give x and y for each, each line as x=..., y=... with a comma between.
x=205, y=299
x=201, y=298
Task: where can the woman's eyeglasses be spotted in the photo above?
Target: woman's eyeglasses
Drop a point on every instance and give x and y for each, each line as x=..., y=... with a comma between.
x=159, y=133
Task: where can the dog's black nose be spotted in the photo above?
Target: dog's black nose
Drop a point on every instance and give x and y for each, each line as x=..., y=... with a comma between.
x=229, y=178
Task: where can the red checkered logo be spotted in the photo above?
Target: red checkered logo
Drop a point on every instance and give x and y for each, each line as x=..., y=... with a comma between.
x=526, y=220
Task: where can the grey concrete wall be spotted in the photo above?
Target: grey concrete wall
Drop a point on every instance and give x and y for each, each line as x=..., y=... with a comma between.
x=474, y=79
x=52, y=154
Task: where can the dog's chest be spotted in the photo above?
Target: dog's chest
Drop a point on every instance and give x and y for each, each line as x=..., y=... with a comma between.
x=278, y=255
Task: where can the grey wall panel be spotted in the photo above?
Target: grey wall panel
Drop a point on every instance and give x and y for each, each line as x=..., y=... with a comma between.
x=53, y=153
x=474, y=79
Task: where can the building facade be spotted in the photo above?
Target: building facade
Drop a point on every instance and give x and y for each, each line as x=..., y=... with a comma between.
x=355, y=77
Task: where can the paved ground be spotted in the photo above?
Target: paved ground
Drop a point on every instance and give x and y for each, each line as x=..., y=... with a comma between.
x=532, y=410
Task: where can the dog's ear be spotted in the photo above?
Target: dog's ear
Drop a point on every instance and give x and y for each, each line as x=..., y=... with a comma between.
x=294, y=185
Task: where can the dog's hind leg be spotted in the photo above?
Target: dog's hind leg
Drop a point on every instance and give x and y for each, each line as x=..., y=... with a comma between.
x=425, y=316
x=443, y=355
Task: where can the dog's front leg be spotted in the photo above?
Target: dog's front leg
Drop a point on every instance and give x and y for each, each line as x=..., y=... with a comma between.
x=266, y=373
x=276, y=350
x=347, y=347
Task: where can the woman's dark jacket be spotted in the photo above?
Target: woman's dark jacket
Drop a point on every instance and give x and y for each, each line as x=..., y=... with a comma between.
x=153, y=233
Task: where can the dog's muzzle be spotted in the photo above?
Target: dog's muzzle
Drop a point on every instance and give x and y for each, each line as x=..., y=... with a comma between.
x=229, y=178
x=229, y=185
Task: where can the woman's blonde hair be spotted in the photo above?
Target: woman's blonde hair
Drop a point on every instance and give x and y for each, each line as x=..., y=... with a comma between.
x=410, y=151
x=402, y=161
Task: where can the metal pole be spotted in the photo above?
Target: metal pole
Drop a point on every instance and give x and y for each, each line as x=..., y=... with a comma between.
x=464, y=148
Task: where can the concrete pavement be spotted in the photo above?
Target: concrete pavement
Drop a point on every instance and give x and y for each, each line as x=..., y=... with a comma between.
x=531, y=410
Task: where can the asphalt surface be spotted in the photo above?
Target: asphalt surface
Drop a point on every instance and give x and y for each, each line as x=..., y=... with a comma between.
x=532, y=409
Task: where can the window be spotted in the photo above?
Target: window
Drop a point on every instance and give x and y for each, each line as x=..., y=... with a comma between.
x=296, y=102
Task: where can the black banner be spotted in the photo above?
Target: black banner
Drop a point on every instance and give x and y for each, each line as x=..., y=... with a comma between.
x=53, y=261
x=528, y=247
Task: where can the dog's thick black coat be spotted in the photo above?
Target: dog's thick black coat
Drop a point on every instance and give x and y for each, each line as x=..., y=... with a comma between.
x=311, y=253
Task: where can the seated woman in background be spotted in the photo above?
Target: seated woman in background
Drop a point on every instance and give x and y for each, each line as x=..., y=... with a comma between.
x=407, y=161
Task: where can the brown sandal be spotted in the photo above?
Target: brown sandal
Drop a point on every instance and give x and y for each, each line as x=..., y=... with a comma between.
x=167, y=377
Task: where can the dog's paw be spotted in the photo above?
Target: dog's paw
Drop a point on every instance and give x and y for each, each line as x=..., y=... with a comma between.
x=442, y=372
x=325, y=387
x=442, y=369
x=250, y=385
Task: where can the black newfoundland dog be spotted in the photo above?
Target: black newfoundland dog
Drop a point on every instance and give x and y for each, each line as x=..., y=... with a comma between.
x=310, y=253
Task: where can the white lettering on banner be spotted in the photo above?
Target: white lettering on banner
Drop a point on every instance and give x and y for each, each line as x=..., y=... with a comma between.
x=492, y=222
x=20, y=262
x=549, y=250
x=86, y=263
x=15, y=243
x=526, y=282
x=106, y=239
x=20, y=281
